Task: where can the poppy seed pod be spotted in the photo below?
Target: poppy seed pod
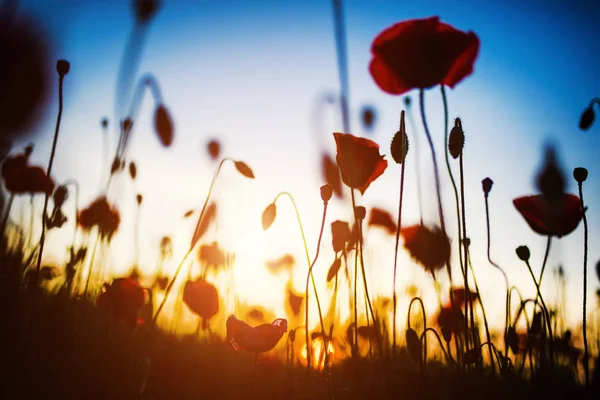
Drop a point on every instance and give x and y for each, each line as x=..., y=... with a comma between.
x=214, y=149
x=456, y=141
x=580, y=174
x=326, y=192
x=62, y=67
x=399, y=146
x=487, y=185
x=360, y=212
x=587, y=118
x=523, y=253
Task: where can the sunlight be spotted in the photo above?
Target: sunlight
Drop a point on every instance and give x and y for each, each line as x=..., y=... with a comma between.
x=318, y=355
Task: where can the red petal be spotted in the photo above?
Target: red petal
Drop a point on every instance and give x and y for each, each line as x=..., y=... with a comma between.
x=544, y=219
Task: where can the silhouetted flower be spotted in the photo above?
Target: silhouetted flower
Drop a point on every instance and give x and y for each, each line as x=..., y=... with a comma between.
x=459, y=296
x=429, y=247
x=21, y=178
x=62, y=67
x=382, y=218
x=214, y=148
x=122, y=299
x=580, y=174
x=359, y=160
x=547, y=219
x=201, y=298
x=102, y=215
x=422, y=53
x=360, y=213
x=340, y=235
x=256, y=339
x=331, y=174
x=211, y=255
x=415, y=348
x=451, y=321
x=163, y=125
x=471, y=356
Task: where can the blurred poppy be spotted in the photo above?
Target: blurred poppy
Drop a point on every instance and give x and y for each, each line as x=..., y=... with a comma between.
x=450, y=321
x=285, y=262
x=24, y=73
x=546, y=219
x=459, y=296
x=294, y=300
x=201, y=298
x=214, y=149
x=422, y=53
x=331, y=174
x=382, y=218
x=211, y=255
x=368, y=115
x=429, y=247
x=122, y=299
x=102, y=215
x=21, y=178
x=359, y=160
x=333, y=270
x=340, y=235
x=256, y=339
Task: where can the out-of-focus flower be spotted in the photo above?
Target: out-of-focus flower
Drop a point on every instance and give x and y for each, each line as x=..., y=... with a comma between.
x=382, y=218
x=212, y=256
x=429, y=247
x=558, y=219
x=359, y=160
x=256, y=339
x=21, y=178
x=122, y=299
x=201, y=298
x=102, y=215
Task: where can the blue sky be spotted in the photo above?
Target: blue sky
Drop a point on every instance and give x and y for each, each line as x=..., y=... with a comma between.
x=249, y=73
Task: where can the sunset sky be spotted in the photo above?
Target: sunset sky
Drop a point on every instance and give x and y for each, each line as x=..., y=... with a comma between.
x=252, y=74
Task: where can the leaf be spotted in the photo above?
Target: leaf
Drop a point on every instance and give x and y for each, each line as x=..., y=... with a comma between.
x=163, y=125
x=244, y=169
x=268, y=216
x=413, y=343
x=472, y=356
x=204, y=222
x=333, y=270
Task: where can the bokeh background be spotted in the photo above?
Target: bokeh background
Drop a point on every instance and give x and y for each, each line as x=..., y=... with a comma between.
x=261, y=77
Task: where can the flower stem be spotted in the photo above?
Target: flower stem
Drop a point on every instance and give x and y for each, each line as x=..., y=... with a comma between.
x=342, y=61
x=91, y=269
x=586, y=366
x=6, y=214
x=394, y=297
x=544, y=308
x=48, y=172
x=468, y=303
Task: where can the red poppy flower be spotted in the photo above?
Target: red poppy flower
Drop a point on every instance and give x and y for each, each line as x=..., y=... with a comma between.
x=123, y=299
x=359, y=160
x=201, y=298
x=422, y=53
x=21, y=178
x=547, y=219
x=212, y=256
x=102, y=215
x=382, y=218
x=340, y=235
x=459, y=296
x=430, y=248
x=450, y=321
x=256, y=339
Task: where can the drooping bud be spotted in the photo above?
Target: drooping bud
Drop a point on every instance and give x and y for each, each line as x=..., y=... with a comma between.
x=268, y=216
x=456, y=141
x=587, y=118
x=413, y=343
x=326, y=192
x=580, y=174
x=244, y=169
x=523, y=253
x=486, y=184
x=139, y=198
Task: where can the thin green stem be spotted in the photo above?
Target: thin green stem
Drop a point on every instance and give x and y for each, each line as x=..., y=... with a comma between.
x=586, y=366
x=468, y=304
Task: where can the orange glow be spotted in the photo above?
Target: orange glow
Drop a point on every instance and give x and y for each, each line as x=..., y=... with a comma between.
x=318, y=355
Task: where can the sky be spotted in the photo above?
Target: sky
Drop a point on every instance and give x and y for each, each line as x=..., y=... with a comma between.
x=254, y=75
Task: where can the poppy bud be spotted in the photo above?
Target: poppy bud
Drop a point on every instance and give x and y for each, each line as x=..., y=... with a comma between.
x=104, y=123
x=163, y=125
x=62, y=67
x=487, y=185
x=139, y=199
x=126, y=124
x=367, y=116
x=399, y=146
x=512, y=340
x=132, y=170
x=456, y=141
x=587, y=118
x=414, y=344
x=580, y=174
x=28, y=150
x=360, y=212
x=214, y=149
x=268, y=216
x=326, y=192
x=523, y=253
x=60, y=195
x=244, y=169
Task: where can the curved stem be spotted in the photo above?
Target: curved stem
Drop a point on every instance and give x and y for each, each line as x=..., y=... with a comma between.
x=449, y=359
x=491, y=347
x=308, y=352
x=507, y=307
x=342, y=61
x=586, y=366
x=422, y=310
x=398, y=226
x=48, y=172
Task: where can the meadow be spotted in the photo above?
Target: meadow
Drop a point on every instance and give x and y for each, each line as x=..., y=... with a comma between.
x=349, y=323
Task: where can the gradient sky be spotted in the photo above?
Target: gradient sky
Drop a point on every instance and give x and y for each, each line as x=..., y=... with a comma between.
x=252, y=73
